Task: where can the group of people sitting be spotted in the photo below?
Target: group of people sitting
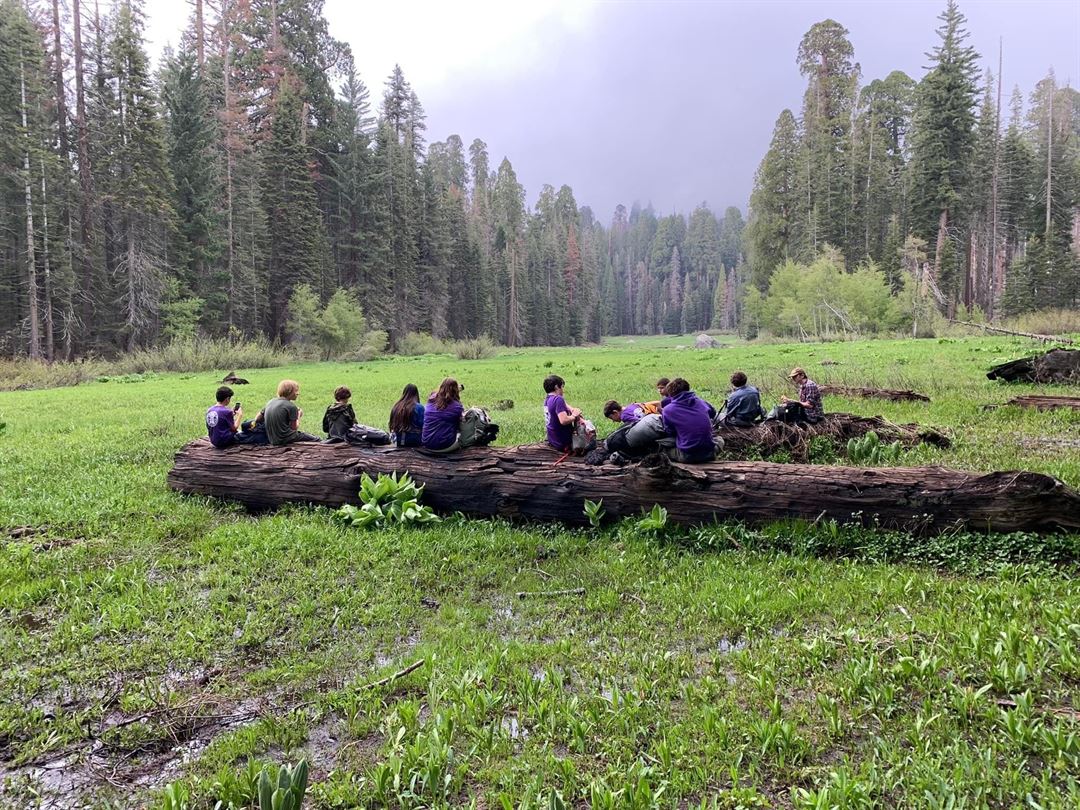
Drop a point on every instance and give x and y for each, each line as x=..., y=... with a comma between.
x=442, y=426
x=680, y=423
x=684, y=424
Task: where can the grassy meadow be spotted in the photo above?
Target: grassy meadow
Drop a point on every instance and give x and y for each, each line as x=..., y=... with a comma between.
x=151, y=640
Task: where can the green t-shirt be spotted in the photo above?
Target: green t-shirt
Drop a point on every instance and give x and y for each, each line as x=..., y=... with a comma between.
x=279, y=416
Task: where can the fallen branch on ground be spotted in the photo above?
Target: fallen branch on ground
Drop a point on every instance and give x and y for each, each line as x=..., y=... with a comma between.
x=415, y=665
x=999, y=330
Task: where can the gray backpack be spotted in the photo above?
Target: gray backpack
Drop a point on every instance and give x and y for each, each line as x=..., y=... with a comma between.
x=477, y=429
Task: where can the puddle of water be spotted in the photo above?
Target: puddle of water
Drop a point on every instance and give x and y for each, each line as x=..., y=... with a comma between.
x=30, y=622
x=726, y=645
x=511, y=726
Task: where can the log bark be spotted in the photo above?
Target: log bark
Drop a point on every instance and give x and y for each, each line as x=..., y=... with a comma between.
x=1056, y=365
x=526, y=482
x=1045, y=403
x=874, y=393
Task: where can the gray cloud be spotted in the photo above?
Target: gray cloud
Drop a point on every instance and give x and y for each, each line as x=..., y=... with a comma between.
x=674, y=102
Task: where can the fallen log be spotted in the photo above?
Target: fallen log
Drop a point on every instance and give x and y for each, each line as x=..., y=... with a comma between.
x=873, y=393
x=1056, y=365
x=1000, y=331
x=767, y=438
x=526, y=482
x=1045, y=403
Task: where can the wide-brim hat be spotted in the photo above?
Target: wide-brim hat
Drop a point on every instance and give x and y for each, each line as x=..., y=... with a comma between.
x=797, y=372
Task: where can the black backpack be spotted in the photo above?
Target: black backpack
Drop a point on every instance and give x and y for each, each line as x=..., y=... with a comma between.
x=365, y=436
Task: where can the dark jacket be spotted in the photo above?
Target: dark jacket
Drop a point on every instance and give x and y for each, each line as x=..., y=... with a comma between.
x=337, y=420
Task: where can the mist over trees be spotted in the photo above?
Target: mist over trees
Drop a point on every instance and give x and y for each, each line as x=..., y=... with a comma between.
x=254, y=185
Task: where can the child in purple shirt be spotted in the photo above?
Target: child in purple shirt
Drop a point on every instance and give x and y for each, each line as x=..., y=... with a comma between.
x=558, y=416
x=222, y=422
x=442, y=418
x=631, y=414
x=688, y=419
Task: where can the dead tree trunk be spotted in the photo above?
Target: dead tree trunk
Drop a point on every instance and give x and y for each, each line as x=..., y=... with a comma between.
x=526, y=482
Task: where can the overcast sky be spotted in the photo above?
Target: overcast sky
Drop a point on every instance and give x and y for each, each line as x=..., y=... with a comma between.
x=670, y=102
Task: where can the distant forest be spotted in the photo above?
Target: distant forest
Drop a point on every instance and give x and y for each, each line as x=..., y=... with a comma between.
x=253, y=171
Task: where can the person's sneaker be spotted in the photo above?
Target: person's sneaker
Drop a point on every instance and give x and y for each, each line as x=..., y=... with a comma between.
x=618, y=459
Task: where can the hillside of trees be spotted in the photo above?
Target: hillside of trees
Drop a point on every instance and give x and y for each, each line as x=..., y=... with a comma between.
x=930, y=183
x=254, y=169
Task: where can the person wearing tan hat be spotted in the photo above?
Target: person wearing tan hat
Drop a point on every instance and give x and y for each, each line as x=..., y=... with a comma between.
x=809, y=397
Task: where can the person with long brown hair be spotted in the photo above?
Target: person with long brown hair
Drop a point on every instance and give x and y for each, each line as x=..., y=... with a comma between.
x=442, y=418
x=407, y=418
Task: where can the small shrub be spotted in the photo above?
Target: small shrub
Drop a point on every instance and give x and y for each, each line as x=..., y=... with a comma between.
x=286, y=791
x=386, y=501
x=869, y=451
x=417, y=343
x=655, y=521
x=594, y=511
x=821, y=450
x=479, y=348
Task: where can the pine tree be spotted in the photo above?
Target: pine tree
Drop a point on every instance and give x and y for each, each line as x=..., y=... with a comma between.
x=192, y=159
x=774, y=203
x=23, y=79
x=826, y=58
x=944, y=144
x=297, y=248
x=141, y=186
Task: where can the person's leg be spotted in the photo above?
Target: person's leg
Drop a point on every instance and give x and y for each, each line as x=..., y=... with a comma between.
x=455, y=446
x=300, y=436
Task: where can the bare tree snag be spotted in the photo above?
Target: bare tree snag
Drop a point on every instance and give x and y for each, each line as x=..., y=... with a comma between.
x=525, y=482
x=31, y=263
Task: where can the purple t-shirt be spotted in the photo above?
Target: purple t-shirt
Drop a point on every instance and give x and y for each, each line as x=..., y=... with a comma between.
x=686, y=417
x=559, y=435
x=632, y=413
x=219, y=425
x=441, y=428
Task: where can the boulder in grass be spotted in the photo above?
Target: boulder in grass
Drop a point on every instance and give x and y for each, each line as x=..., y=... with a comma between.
x=704, y=341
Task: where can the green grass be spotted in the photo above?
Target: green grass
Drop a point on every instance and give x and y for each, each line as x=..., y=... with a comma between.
x=148, y=637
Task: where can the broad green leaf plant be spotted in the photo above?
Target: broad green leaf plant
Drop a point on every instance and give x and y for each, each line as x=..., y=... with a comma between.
x=386, y=501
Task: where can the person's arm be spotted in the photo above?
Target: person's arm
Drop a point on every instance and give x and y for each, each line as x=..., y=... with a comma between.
x=326, y=421
x=569, y=417
x=297, y=414
x=237, y=418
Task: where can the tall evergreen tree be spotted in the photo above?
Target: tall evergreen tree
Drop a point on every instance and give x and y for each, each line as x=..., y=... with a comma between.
x=826, y=58
x=944, y=144
x=297, y=248
x=774, y=203
x=192, y=159
x=140, y=185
